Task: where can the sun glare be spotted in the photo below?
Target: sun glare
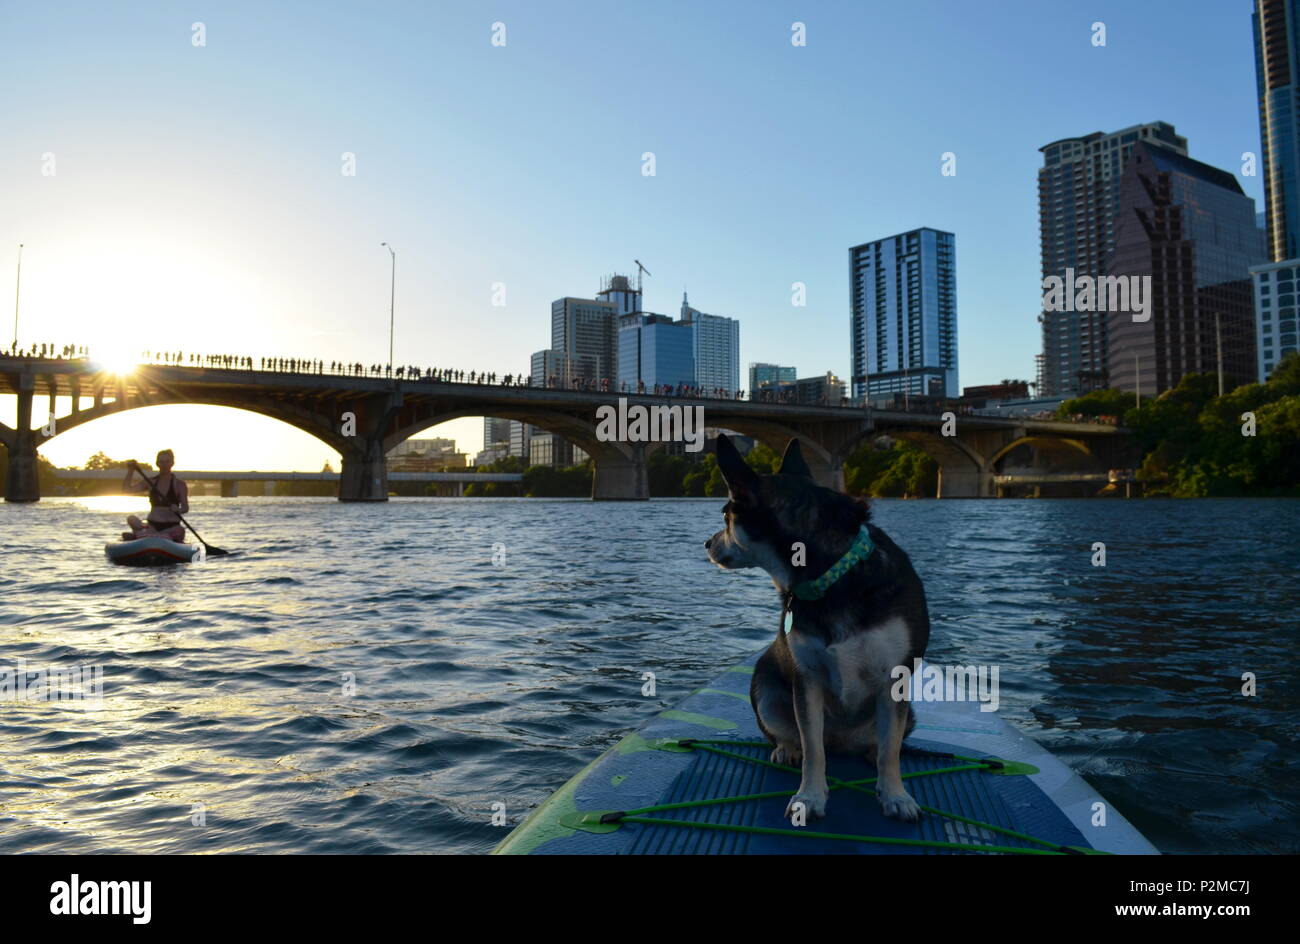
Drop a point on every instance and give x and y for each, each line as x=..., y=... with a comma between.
x=114, y=358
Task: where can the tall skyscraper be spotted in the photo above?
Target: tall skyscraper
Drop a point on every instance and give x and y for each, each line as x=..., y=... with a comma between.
x=903, y=295
x=1277, y=79
x=716, y=348
x=1078, y=201
x=1190, y=230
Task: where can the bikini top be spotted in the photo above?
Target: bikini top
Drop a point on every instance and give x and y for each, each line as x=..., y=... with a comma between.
x=159, y=500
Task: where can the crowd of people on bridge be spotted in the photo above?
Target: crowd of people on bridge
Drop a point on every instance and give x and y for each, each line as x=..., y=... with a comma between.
x=606, y=385
x=48, y=351
x=1105, y=418
x=411, y=372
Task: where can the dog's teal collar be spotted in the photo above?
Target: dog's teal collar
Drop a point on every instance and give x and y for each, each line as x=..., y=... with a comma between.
x=860, y=551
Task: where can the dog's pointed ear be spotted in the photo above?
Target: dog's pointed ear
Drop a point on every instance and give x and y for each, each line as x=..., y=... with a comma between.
x=792, y=463
x=742, y=481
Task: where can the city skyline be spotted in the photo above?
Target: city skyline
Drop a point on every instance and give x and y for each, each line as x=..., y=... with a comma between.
x=225, y=200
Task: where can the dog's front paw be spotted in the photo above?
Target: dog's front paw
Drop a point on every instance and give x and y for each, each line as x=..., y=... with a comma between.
x=900, y=806
x=789, y=756
x=813, y=804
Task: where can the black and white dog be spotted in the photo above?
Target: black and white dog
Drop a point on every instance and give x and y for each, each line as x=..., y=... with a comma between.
x=857, y=609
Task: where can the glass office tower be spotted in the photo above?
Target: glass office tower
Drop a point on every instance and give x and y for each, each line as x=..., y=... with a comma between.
x=1277, y=71
x=1078, y=205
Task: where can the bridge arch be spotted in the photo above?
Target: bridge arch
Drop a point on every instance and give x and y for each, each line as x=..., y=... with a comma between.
x=776, y=435
x=1067, y=451
x=619, y=468
x=561, y=424
x=21, y=481
x=945, y=450
x=286, y=413
x=963, y=472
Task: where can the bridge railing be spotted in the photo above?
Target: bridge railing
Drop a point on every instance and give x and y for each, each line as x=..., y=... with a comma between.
x=922, y=405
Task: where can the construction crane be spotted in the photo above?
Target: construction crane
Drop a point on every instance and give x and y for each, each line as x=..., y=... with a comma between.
x=639, y=270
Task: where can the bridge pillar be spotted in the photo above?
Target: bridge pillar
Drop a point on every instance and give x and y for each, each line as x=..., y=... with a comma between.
x=364, y=475
x=21, y=482
x=229, y=488
x=621, y=478
x=964, y=483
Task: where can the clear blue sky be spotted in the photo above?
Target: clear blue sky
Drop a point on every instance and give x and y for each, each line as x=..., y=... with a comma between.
x=202, y=185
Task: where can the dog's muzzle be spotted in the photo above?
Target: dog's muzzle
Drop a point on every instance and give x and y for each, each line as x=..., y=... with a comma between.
x=717, y=550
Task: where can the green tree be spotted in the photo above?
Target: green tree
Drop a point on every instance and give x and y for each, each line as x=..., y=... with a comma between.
x=666, y=474
x=504, y=464
x=1197, y=443
x=890, y=469
x=865, y=465
x=1098, y=403
x=542, y=481
x=695, y=482
x=910, y=473
x=763, y=459
x=100, y=462
x=715, y=486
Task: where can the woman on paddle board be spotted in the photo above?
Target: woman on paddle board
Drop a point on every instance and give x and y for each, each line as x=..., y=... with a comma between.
x=168, y=496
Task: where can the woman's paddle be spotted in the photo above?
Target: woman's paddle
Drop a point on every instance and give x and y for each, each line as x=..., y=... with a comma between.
x=209, y=549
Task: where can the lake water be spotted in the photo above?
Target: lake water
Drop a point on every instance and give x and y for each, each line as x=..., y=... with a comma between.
x=364, y=679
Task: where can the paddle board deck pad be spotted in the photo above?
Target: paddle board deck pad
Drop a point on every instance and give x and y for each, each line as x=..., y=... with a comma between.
x=150, y=551
x=671, y=788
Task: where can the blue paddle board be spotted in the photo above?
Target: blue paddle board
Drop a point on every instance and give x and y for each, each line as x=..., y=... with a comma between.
x=150, y=552
x=697, y=779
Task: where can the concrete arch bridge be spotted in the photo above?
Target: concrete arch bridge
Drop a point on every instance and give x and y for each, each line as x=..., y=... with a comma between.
x=365, y=417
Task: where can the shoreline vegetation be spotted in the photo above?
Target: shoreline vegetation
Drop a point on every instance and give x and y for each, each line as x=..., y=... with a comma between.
x=1195, y=444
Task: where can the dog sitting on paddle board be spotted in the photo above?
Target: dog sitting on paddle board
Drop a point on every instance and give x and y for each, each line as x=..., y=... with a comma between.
x=854, y=609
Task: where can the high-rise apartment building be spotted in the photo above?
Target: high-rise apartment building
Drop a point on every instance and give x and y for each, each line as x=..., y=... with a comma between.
x=903, y=297
x=716, y=349
x=1275, y=314
x=1078, y=203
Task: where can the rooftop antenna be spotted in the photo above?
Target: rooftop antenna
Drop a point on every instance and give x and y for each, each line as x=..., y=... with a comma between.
x=639, y=270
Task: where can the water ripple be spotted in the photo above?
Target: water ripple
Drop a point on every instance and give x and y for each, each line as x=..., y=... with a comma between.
x=377, y=685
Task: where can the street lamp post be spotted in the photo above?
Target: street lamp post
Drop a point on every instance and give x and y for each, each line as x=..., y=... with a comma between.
x=18, y=284
x=392, y=297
